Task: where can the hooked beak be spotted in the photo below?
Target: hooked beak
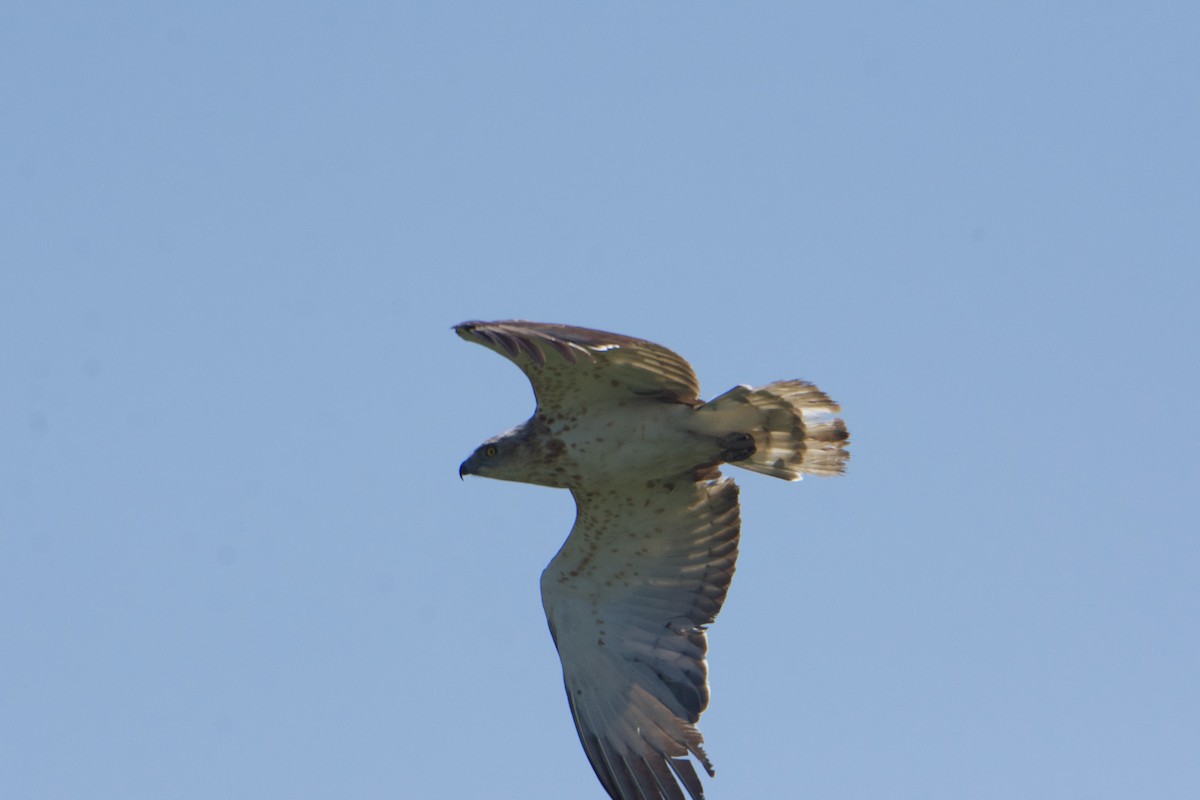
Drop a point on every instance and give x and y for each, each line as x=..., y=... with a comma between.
x=464, y=469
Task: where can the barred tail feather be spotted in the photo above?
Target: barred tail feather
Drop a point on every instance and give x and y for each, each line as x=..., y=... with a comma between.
x=794, y=425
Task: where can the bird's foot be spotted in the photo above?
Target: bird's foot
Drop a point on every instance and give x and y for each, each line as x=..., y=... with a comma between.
x=736, y=446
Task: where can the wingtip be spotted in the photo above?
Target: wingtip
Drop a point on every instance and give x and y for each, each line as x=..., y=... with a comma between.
x=469, y=331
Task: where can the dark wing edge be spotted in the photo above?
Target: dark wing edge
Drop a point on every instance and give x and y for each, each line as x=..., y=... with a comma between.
x=528, y=344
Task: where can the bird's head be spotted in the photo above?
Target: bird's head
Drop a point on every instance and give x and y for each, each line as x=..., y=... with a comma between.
x=518, y=455
x=496, y=457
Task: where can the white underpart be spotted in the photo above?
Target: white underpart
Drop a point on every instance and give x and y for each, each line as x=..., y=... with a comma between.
x=647, y=438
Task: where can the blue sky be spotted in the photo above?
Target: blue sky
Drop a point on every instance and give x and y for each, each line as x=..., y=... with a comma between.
x=235, y=557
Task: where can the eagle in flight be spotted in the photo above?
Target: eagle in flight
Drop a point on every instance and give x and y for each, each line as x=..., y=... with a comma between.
x=619, y=422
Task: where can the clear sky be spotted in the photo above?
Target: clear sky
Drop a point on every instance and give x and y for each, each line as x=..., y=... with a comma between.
x=236, y=560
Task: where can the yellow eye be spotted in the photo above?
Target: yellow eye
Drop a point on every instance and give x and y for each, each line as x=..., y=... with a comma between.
x=490, y=451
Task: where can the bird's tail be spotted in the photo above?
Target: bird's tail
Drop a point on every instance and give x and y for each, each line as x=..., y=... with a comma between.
x=793, y=425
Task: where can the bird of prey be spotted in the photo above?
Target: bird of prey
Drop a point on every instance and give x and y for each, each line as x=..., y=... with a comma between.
x=646, y=567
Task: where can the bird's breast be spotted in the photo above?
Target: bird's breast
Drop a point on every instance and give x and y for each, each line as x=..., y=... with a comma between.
x=638, y=439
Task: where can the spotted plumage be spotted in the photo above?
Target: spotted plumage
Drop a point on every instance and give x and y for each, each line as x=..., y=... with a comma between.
x=650, y=558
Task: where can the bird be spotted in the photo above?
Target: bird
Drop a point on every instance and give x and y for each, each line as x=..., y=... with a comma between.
x=647, y=565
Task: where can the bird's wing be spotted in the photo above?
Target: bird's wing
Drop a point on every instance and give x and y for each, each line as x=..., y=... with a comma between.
x=627, y=597
x=572, y=367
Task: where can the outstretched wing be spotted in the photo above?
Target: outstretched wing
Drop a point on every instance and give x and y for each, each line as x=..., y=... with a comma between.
x=572, y=367
x=627, y=597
